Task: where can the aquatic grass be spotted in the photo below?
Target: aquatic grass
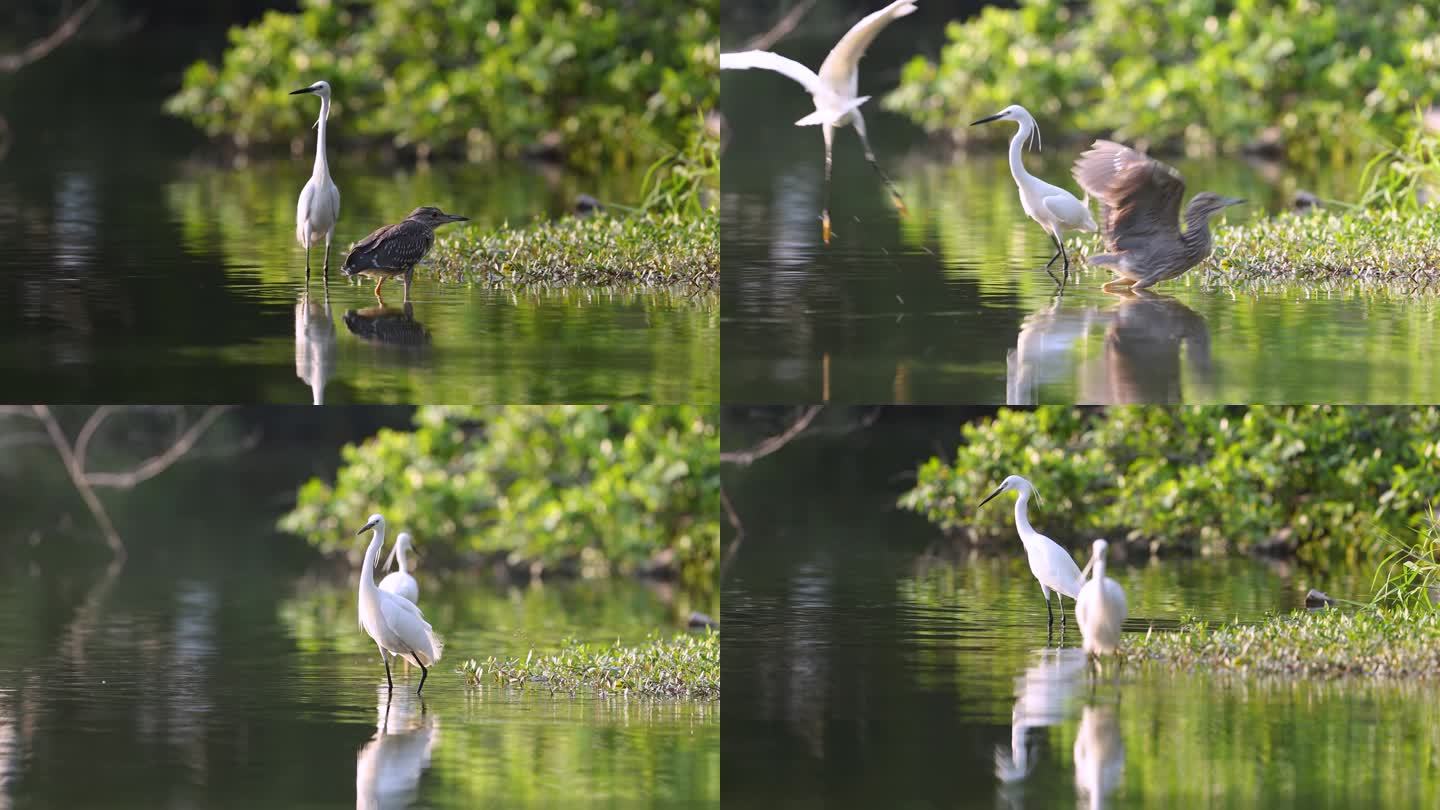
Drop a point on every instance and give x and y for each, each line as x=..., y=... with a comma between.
x=1325, y=643
x=653, y=249
x=685, y=666
x=1409, y=576
x=1384, y=246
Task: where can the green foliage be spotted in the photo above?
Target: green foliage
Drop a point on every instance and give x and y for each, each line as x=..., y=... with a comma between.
x=1409, y=576
x=1372, y=245
x=616, y=84
x=598, y=488
x=686, y=666
x=596, y=250
x=1318, y=77
x=1323, y=643
x=1326, y=480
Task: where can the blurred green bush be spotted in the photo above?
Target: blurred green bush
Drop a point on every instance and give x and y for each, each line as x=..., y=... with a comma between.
x=597, y=489
x=1311, y=77
x=1328, y=481
x=619, y=84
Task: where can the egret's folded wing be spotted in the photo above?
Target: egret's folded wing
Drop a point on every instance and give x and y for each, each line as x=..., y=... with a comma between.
x=1140, y=196
x=841, y=62
x=1068, y=210
x=407, y=624
x=765, y=60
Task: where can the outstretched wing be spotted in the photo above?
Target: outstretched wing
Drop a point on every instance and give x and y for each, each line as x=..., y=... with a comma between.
x=765, y=60
x=1139, y=196
x=844, y=58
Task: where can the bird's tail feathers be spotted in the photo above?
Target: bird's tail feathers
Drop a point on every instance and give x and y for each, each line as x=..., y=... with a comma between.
x=830, y=117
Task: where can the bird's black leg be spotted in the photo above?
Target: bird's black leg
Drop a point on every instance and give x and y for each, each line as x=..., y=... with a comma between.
x=307, y=263
x=326, y=268
x=1050, y=274
x=825, y=201
x=1062, y=613
x=1051, y=613
x=423, y=673
x=1060, y=246
x=386, y=659
x=875, y=164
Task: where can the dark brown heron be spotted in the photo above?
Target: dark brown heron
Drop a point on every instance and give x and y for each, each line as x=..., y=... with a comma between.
x=395, y=249
x=1140, y=215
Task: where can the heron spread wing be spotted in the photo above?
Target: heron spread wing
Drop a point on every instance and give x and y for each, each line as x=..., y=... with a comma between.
x=1139, y=196
x=843, y=59
x=745, y=60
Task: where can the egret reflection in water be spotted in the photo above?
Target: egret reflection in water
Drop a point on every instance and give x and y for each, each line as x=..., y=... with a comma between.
x=1151, y=341
x=314, y=343
x=1099, y=755
x=1042, y=694
x=389, y=766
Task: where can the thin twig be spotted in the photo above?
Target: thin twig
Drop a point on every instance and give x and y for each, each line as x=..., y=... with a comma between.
x=155, y=465
x=786, y=24
x=77, y=477
x=734, y=519
x=774, y=443
x=40, y=48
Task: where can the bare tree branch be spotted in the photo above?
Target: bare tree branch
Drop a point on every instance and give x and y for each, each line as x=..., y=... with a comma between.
x=770, y=445
x=40, y=48
x=786, y=24
x=77, y=477
x=155, y=465
x=734, y=519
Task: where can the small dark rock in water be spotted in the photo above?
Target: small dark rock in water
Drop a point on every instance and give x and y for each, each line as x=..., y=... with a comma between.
x=698, y=619
x=585, y=204
x=1318, y=599
x=1305, y=201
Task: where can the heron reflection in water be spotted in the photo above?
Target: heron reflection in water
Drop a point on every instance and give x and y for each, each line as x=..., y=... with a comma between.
x=389, y=766
x=314, y=343
x=1150, y=342
x=394, y=326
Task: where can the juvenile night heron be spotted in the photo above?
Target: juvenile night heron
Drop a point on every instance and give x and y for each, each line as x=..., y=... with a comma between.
x=834, y=89
x=1054, y=208
x=1140, y=210
x=319, y=205
x=395, y=249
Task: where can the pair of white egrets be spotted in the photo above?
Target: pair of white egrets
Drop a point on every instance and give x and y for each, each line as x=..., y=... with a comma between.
x=835, y=90
x=1100, y=607
x=388, y=611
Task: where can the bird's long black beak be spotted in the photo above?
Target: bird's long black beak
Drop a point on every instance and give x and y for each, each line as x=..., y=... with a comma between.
x=1235, y=201
x=302, y=90
x=367, y=527
x=986, y=121
x=992, y=496
x=456, y=218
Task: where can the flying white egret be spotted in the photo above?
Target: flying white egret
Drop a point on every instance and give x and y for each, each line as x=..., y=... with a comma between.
x=396, y=625
x=834, y=89
x=1052, y=565
x=319, y=206
x=400, y=582
x=1100, y=609
x=1056, y=209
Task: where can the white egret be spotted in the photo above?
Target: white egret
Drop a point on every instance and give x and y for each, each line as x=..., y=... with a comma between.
x=1100, y=609
x=319, y=206
x=397, y=626
x=400, y=582
x=835, y=90
x=1056, y=209
x=1052, y=565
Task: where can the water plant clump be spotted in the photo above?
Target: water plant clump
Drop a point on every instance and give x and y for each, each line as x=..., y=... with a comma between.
x=1326, y=643
x=1373, y=246
x=684, y=666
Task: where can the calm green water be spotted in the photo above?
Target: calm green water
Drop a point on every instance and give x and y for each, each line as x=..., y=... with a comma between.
x=143, y=266
x=870, y=663
x=215, y=670
x=951, y=304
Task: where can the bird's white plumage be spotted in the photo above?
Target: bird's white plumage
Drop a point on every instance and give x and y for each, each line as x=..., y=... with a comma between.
x=1099, y=755
x=1052, y=566
x=1100, y=610
x=400, y=582
x=396, y=625
x=765, y=60
x=318, y=208
x=841, y=67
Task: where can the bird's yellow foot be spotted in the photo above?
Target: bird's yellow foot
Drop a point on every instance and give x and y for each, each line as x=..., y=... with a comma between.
x=825, y=227
x=899, y=204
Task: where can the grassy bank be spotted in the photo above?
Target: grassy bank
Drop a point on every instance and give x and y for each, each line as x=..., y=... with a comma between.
x=1372, y=246
x=1395, y=642
x=685, y=666
x=652, y=249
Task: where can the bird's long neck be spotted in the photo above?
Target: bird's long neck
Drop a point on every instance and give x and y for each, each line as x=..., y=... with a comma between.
x=1196, y=237
x=1099, y=568
x=1022, y=520
x=1017, y=168
x=400, y=554
x=367, y=574
x=322, y=166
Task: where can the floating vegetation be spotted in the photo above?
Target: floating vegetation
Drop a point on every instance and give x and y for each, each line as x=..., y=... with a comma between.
x=1325, y=643
x=1391, y=247
x=600, y=250
x=685, y=666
